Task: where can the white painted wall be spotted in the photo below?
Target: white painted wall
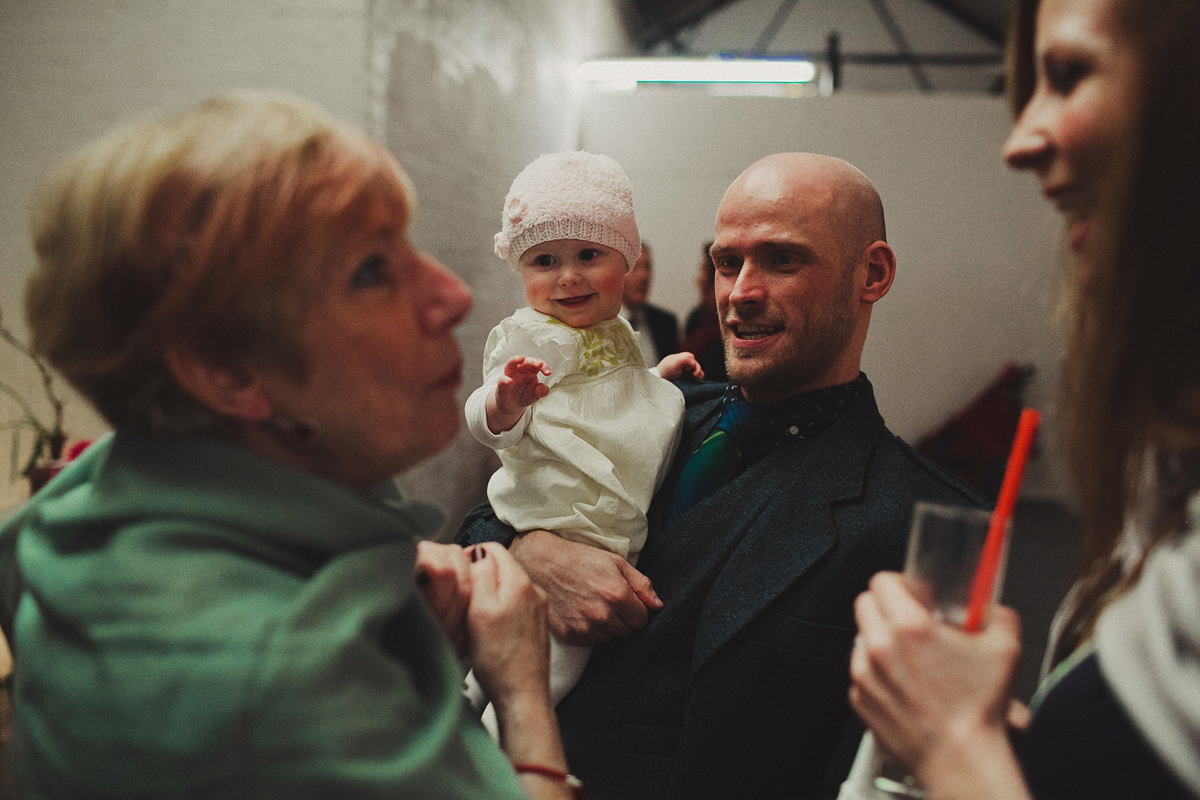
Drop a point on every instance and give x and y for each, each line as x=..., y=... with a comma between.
x=977, y=247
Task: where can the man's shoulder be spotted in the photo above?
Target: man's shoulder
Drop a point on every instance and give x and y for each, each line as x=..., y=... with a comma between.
x=895, y=469
x=697, y=393
x=661, y=313
x=896, y=458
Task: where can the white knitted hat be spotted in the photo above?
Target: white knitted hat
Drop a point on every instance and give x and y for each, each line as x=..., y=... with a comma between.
x=576, y=195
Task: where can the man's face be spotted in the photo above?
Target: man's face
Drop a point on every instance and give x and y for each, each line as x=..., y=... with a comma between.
x=637, y=282
x=786, y=289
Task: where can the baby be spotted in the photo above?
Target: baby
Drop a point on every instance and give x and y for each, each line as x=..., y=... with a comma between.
x=584, y=430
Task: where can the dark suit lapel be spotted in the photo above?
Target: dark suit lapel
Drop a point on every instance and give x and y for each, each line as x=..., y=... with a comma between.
x=788, y=522
x=699, y=418
x=664, y=327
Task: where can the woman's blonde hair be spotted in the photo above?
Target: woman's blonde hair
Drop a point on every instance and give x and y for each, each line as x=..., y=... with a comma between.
x=208, y=233
x=1130, y=392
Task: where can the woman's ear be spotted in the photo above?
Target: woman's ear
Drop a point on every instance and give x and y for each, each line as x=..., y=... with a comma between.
x=230, y=392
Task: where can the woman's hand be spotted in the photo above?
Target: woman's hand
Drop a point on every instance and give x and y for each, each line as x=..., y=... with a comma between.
x=935, y=696
x=595, y=596
x=510, y=653
x=444, y=578
x=509, y=643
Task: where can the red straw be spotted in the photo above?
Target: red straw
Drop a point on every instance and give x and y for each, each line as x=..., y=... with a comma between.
x=993, y=546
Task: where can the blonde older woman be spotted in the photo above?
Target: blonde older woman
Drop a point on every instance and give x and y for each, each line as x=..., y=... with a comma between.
x=227, y=597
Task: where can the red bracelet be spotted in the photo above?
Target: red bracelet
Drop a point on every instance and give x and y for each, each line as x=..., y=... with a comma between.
x=578, y=792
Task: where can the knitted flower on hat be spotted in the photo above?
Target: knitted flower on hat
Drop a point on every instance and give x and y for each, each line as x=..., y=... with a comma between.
x=577, y=195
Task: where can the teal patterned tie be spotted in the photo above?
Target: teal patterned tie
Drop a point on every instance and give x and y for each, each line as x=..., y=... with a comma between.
x=719, y=458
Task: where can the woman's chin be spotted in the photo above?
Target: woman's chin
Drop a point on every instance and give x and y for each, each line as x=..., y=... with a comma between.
x=1077, y=233
x=438, y=433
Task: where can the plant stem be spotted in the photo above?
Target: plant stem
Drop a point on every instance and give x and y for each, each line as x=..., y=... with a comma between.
x=54, y=437
x=26, y=411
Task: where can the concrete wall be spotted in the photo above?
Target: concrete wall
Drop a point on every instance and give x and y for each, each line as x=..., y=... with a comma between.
x=465, y=92
x=977, y=247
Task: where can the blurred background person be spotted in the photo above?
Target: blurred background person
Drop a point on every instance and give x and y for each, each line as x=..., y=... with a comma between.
x=702, y=330
x=658, y=327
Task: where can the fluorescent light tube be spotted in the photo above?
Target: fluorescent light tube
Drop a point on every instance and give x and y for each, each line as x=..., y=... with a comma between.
x=697, y=70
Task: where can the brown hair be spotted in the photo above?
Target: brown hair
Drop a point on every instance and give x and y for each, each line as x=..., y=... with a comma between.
x=1130, y=392
x=207, y=232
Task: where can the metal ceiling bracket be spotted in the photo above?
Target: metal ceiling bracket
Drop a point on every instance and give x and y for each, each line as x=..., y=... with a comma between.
x=781, y=14
x=902, y=45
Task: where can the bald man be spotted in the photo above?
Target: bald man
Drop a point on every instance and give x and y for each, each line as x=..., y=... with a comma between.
x=725, y=668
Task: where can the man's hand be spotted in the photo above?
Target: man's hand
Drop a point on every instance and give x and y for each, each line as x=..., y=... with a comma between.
x=594, y=595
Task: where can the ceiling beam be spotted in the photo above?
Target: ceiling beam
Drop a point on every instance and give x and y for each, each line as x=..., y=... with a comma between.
x=992, y=27
x=768, y=35
x=664, y=20
x=902, y=45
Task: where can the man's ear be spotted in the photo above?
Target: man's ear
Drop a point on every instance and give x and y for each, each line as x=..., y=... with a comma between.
x=230, y=392
x=881, y=270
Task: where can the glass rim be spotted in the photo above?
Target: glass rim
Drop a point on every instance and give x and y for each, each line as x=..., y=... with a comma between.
x=946, y=510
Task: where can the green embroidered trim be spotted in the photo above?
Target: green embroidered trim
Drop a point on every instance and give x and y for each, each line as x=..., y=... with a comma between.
x=603, y=347
x=601, y=353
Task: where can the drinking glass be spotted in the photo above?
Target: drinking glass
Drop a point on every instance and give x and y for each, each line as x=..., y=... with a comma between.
x=944, y=548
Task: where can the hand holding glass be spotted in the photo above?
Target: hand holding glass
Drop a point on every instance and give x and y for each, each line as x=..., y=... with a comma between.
x=944, y=550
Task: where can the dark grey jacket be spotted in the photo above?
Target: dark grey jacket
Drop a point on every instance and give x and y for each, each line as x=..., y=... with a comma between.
x=738, y=687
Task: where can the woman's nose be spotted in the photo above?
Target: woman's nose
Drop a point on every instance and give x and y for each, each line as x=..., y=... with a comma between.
x=449, y=298
x=1029, y=144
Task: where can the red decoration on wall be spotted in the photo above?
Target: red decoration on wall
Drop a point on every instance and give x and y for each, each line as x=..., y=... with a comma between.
x=973, y=444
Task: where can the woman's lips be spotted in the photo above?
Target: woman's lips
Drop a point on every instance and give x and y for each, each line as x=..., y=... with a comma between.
x=452, y=379
x=1073, y=205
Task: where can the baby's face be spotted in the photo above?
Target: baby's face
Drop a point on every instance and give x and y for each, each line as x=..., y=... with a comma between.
x=576, y=282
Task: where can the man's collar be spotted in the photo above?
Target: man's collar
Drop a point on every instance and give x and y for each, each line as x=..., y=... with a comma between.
x=808, y=414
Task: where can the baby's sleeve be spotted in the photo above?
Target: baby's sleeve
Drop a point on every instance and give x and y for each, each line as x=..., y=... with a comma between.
x=476, y=414
x=553, y=344
x=495, y=356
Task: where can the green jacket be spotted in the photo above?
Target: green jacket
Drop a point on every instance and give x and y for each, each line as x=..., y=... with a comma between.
x=197, y=622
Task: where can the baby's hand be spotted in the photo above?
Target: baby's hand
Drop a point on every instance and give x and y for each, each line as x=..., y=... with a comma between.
x=680, y=365
x=519, y=386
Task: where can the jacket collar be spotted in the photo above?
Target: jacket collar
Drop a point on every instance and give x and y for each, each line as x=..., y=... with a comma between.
x=786, y=521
